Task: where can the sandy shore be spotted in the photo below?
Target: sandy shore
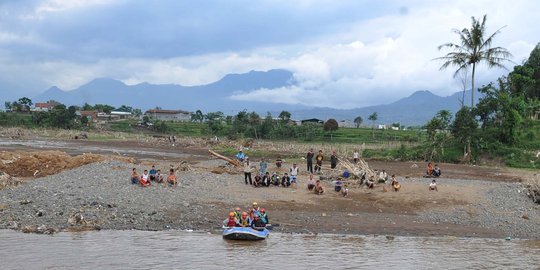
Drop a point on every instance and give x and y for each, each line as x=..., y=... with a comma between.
x=467, y=204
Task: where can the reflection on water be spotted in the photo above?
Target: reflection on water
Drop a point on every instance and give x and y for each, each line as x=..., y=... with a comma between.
x=183, y=250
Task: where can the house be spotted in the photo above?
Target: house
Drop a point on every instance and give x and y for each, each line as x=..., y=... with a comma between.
x=91, y=115
x=381, y=127
x=346, y=124
x=169, y=115
x=45, y=106
x=121, y=114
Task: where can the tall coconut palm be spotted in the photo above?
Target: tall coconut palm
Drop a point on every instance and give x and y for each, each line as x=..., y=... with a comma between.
x=474, y=48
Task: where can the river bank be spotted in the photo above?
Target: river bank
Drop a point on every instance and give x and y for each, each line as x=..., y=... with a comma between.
x=98, y=196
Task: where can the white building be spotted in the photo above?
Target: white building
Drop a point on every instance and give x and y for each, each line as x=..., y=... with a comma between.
x=169, y=115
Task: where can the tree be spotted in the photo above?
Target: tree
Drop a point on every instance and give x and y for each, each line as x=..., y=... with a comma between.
x=358, y=121
x=103, y=108
x=137, y=112
x=330, y=125
x=198, y=116
x=125, y=108
x=474, y=48
x=87, y=107
x=215, y=121
x=464, y=127
x=501, y=112
x=436, y=130
x=285, y=116
x=7, y=105
x=25, y=103
x=373, y=117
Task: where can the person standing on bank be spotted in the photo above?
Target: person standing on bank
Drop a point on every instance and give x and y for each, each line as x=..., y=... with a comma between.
x=333, y=160
x=309, y=160
x=247, y=171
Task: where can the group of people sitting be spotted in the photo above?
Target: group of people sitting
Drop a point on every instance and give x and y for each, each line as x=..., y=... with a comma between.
x=256, y=219
x=153, y=175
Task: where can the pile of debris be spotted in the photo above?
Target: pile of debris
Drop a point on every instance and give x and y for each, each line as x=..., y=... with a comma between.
x=43, y=163
x=533, y=189
x=182, y=167
x=359, y=171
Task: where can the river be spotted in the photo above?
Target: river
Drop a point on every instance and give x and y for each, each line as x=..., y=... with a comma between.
x=191, y=250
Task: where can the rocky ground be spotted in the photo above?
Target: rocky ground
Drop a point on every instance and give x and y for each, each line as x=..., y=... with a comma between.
x=99, y=196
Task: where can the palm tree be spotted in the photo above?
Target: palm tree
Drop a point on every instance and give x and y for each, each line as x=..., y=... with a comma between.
x=473, y=49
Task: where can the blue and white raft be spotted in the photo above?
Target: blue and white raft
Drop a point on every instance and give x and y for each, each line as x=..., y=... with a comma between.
x=240, y=233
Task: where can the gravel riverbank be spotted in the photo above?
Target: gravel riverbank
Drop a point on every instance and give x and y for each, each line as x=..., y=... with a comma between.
x=99, y=196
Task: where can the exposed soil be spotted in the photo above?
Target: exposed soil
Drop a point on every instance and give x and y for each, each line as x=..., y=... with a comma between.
x=363, y=211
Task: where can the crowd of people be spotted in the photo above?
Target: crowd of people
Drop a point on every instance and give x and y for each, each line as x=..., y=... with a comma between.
x=153, y=175
x=257, y=218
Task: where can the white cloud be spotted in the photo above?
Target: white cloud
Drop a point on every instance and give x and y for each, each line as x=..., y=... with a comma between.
x=362, y=62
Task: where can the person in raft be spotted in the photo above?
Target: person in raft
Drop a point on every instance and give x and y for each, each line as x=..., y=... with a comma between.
x=433, y=186
x=264, y=216
x=145, y=179
x=244, y=220
x=257, y=223
x=319, y=190
x=134, y=176
x=255, y=210
x=231, y=221
x=310, y=182
x=171, y=179
x=237, y=213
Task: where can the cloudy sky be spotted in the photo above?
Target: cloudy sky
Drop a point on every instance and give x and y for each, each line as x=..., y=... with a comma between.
x=344, y=53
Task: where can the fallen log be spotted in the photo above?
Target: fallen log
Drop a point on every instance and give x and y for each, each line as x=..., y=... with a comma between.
x=234, y=162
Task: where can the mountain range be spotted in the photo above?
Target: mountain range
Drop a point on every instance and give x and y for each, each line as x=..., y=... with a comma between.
x=416, y=109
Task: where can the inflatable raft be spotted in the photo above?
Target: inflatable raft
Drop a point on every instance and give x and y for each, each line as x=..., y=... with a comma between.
x=240, y=233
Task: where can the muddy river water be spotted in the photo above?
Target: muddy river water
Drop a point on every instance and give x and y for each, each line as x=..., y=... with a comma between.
x=192, y=250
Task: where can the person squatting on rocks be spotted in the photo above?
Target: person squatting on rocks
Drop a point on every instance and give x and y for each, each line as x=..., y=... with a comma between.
x=145, y=179
x=152, y=173
x=319, y=159
x=309, y=160
x=134, y=176
x=171, y=178
x=319, y=190
x=310, y=182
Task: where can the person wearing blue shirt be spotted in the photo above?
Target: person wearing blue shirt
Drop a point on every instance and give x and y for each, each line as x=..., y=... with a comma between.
x=240, y=156
x=152, y=173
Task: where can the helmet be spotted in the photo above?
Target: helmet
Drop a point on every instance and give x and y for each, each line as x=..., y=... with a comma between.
x=231, y=214
x=244, y=213
x=237, y=209
x=263, y=210
x=255, y=204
